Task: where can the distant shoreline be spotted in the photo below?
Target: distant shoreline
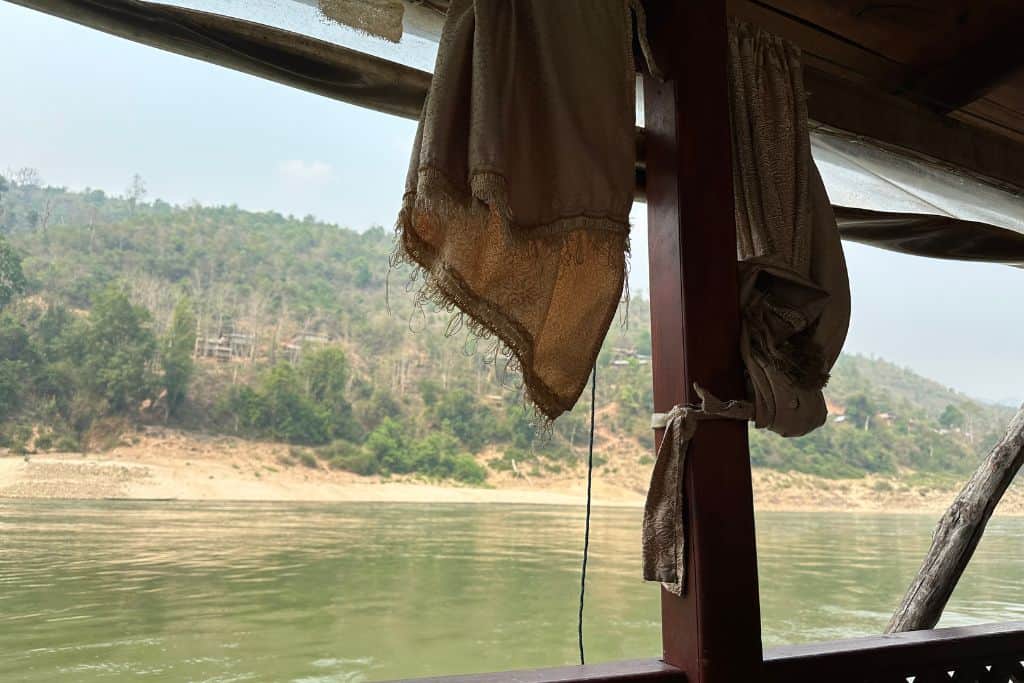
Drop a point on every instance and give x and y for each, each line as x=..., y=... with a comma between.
x=186, y=467
x=102, y=477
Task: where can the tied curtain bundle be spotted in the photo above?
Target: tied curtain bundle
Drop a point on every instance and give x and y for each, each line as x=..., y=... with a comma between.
x=794, y=291
x=516, y=209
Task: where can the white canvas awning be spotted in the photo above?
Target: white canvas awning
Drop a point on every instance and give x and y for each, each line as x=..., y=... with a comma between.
x=910, y=205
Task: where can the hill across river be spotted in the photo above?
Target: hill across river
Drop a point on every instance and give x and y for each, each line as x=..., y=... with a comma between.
x=146, y=333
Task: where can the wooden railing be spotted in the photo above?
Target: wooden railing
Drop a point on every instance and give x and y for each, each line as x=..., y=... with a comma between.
x=977, y=654
x=992, y=653
x=645, y=670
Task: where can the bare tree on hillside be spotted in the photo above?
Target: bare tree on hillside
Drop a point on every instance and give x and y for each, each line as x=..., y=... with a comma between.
x=26, y=177
x=136, y=191
x=46, y=214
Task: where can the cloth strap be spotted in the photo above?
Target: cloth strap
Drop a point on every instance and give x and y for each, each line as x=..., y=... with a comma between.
x=664, y=529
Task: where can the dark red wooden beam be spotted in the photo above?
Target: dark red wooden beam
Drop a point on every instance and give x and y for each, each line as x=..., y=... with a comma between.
x=974, y=652
x=629, y=671
x=714, y=633
x=896, y=656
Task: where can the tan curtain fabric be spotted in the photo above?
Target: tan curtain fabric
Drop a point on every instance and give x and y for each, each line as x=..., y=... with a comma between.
x=518, y=195
x=794, y=292
x=664, y=534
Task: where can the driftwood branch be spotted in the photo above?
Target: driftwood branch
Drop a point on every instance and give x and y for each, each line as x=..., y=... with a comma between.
x=959, y=532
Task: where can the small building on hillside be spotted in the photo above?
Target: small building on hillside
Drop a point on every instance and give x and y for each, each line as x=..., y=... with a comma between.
x=227, y=344
x=293, y=348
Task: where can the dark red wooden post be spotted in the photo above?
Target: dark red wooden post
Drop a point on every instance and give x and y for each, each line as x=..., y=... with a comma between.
x=714, y=632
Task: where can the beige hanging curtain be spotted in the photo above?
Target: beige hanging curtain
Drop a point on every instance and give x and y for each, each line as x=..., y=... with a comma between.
x=516, y=211
x=794, y=292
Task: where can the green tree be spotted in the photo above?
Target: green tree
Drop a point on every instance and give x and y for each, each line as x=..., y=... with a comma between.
x=13, y=375
x=518, y=427
x=430, y=390
x=15, y=343
x=435, y=455
x=17, y=360
x=363, y=274
x=53, y=332
x=859, y=410
x=177, y=361
x=377, y=407
x=389, y=448
x=280, y=407
x=465, y=417
x=117, y=349
x=325, y=374
x=4, y=188
x=12, y=278
x=952, y=417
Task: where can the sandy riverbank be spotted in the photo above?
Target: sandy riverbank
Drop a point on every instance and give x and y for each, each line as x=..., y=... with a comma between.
x=169, y=465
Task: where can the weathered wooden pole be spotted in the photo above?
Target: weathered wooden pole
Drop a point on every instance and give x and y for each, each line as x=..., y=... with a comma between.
x=959, y=532
x=714, y=632
x=292, y=59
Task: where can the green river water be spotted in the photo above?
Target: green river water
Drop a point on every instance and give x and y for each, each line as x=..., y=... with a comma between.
x=324, y=593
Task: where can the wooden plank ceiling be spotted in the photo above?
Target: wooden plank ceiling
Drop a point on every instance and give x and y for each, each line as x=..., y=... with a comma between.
x=961, y=58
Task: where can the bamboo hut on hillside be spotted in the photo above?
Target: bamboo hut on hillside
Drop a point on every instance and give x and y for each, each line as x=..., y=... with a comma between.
x=916, y=108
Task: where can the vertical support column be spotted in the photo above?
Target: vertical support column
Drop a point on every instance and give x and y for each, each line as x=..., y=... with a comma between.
x=714, y=632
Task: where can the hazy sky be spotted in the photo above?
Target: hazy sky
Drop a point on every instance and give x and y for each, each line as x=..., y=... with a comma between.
x=88, y=109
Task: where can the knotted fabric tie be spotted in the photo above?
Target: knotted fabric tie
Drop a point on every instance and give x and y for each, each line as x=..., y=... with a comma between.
x=664, y=530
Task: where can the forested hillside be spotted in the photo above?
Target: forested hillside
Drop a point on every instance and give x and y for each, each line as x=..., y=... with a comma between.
x=103, y=299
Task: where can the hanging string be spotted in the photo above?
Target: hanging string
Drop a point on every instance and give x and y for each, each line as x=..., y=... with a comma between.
x=586, y=528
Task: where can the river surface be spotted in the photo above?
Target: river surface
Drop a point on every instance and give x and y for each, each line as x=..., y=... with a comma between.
x=323, y=593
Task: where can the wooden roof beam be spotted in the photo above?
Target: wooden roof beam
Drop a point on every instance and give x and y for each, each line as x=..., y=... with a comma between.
x=278, y=55
x=970, y=76
x=822, y=49
x=854, y=89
